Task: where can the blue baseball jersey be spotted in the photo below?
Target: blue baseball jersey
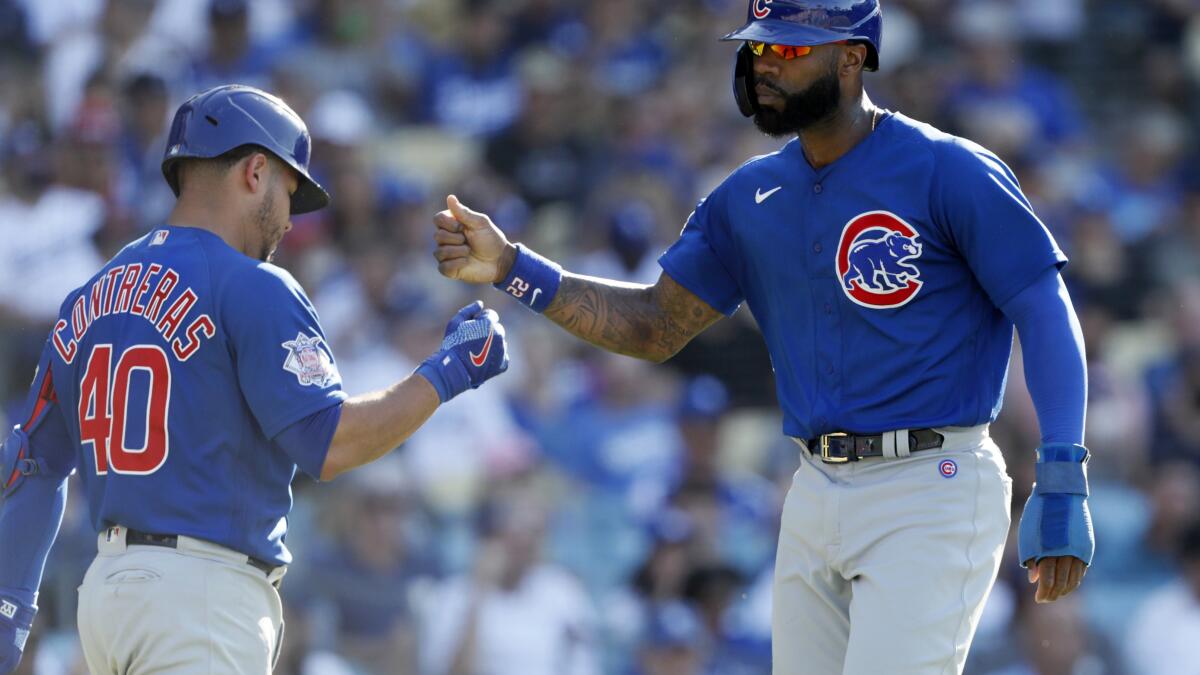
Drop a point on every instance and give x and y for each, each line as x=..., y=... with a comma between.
x=876, y=280
x=174, y=368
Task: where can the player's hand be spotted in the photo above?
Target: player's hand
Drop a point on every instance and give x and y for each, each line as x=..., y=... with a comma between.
x=469, y=246
x=472, y=352
x=1055, y=538
x=1056, y=577
x=16, y=617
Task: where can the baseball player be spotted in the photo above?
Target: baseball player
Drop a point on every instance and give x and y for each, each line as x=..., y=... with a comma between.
x=186, y=382
x=887, y=264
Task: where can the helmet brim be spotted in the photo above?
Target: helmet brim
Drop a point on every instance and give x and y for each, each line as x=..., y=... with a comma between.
x=777, y=31
x=309, y=196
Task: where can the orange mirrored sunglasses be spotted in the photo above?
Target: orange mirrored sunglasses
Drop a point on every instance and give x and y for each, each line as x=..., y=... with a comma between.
x=785, y=52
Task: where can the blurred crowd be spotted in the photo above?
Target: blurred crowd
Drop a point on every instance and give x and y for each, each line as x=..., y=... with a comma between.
x=588, y=513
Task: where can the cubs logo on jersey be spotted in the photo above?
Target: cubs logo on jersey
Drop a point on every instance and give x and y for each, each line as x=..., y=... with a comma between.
x=876, y=260
x=309, y=362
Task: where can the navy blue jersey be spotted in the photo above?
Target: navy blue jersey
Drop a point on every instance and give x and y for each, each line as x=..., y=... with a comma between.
x=876, y=280
x=173, y=368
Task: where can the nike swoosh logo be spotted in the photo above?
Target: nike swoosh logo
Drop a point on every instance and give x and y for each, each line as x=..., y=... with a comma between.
x=535, y=294
x=480, y=358
x=760, y=196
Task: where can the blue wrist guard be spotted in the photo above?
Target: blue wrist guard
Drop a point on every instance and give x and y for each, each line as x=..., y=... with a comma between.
x=533, y=280
x=16, y=617
x=1056, y=521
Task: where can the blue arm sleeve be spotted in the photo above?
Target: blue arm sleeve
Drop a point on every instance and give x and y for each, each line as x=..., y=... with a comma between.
x=1055, y=367
x=307, y=440
x=30, y=516
x=29, y=522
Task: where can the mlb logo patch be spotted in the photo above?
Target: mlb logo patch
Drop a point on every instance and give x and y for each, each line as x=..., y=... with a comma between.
x=311, y=364
x=159, y=237
x=948, y=468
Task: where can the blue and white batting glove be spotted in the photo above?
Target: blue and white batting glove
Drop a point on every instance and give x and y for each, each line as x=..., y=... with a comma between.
x=1056, y=521
x=472, y=352
x=17, y=610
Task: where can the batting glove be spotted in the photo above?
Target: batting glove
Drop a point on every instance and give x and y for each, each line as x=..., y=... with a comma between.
x=472, y=352
x=1056, y=521
x=17, y=610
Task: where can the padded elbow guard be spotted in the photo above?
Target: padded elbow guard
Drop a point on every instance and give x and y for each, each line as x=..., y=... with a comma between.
x=16, y=462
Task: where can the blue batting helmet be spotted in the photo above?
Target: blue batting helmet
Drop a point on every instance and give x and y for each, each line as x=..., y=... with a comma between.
x=216, y=121
x=803, y=23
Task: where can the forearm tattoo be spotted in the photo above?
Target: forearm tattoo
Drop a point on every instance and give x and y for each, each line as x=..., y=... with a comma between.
x=648, y=322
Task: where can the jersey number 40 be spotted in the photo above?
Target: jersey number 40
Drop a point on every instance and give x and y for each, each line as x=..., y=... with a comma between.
x=104, y=401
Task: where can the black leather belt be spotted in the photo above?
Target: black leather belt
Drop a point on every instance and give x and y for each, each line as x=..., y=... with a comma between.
x=840, y=447
x=135, y=538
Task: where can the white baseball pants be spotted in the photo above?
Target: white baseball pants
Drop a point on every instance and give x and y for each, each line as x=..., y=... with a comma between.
x=884, y=565
x=195, y=609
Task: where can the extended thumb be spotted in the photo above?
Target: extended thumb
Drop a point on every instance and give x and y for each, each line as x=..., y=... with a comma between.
x=463, y=214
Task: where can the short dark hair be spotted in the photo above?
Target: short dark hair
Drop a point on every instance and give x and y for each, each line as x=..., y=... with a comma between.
x=219, y=164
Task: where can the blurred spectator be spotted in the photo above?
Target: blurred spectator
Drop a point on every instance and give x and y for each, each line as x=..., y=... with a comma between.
x=627, y=55
x=543, y=152
x=1173, y=252
x=675, y=643
x=630, y=254
x=367, y=574
x=230, y=56
x=1102, y=270
x=1009, y=107
x=15, y=40
x=471, y=83
x=1143, y=531
x=630, y=612
x=623, y=439
x=1052, y=639
x=1141, y=189
x=47, y=229
x=732, y=350
x=328, y=47
x=715, y=590
x=114, y=47
x=1174, y=383
x=734, y=511
x=1162, y=636
x=514, y=613
x=141, y=189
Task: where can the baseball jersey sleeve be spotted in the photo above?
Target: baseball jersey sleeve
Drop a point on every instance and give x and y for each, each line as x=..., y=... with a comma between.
x=976, y=199
x=702, y=260
x=284, y=365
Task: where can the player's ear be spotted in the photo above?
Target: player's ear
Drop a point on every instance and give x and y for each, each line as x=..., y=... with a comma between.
x=853, y=57
x=256, y=171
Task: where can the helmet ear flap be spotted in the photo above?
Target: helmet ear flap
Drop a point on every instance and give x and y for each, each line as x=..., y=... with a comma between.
x=743, y=82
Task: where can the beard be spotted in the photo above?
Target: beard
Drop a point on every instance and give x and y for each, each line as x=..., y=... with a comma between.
x=270, y=232
x=801, y=110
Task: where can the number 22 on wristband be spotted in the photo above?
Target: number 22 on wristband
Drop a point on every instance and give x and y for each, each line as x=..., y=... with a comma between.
x=519, y=287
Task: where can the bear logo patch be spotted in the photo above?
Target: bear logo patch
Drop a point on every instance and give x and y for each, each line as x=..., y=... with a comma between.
x=876, y=260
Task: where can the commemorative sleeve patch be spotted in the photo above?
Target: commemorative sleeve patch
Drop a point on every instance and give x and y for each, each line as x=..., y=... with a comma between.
x=309, y=361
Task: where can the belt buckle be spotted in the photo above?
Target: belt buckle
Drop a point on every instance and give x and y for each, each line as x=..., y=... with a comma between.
x=825, y=457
